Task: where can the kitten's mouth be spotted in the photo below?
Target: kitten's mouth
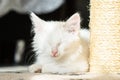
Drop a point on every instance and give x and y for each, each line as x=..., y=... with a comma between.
x=55, y=54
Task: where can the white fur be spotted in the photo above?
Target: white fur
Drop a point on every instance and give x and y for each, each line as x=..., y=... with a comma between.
x=48, y=35
x=85, y=34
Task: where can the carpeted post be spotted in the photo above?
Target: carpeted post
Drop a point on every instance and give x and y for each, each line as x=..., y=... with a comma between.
x=105, y=36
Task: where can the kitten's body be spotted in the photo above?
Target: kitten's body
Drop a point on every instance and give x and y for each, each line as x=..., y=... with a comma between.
x=61, y=47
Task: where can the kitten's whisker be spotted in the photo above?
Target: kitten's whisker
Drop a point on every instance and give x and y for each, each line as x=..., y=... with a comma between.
x=30, y=59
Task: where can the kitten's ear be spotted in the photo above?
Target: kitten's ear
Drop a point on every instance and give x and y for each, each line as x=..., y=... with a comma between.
x=37, y=22
x=73, y=23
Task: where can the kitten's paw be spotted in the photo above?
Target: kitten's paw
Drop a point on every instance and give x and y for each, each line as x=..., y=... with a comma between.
x=35, y=68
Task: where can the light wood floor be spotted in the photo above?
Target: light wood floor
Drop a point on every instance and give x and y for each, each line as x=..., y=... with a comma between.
x=21, y=73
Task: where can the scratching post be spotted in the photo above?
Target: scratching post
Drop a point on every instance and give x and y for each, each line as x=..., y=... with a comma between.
x=105, y=36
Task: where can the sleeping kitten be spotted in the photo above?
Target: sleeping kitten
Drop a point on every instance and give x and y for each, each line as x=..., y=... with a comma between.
x=60, y=46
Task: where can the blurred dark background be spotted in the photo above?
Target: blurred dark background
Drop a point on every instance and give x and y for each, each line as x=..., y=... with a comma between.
x=15, y=26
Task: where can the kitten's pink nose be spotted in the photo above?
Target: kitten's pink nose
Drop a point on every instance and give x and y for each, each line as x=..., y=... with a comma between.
x=55, y=53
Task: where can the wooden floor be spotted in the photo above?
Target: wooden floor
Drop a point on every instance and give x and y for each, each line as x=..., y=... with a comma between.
x=21, y=73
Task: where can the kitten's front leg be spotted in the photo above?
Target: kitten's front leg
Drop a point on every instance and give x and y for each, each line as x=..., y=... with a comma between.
x=55, y=69
x=49, y=68
x=35, y=68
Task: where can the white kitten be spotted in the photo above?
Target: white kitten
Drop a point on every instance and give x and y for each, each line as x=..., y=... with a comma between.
x=60, y=46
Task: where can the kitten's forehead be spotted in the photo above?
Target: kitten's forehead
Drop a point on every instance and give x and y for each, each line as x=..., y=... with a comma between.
x=57, y=23
x=54, y=25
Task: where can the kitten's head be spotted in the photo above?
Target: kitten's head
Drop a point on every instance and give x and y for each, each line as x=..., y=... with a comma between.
x=56, y=38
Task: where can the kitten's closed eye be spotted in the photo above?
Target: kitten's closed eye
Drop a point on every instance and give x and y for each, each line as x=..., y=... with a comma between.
x=71, y=30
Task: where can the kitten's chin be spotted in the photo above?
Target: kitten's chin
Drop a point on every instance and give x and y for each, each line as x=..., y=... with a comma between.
x=59, y=58
x=56, y=57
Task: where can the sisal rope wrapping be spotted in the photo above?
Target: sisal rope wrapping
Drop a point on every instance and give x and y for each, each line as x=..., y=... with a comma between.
x=105, y=36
